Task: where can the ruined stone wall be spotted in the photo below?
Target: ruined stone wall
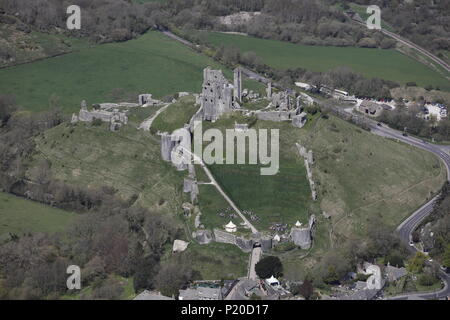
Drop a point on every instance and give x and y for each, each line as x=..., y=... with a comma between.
x=237, y=84
x=309, y=160
x=217, y=94
x=275, y=115
x=224, y=237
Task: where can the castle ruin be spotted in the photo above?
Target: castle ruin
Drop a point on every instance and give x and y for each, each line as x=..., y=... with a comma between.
x=105, y=112
x=218, y=95
x=302, y=237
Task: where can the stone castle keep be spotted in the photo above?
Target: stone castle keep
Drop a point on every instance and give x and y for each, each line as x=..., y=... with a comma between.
x=218, y=95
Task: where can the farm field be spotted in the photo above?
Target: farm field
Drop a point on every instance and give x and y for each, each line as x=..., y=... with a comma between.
x=386, y=64
x=152, y=63
x=19, y=216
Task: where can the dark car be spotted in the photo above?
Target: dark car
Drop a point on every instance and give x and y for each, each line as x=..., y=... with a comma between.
x=404, y=134
x=379, y=124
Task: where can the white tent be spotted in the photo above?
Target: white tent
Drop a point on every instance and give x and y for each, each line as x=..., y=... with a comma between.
x=272, y=281
x=231, y=227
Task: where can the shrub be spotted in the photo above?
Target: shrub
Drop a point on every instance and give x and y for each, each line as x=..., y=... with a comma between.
x=269, y=266
x=97, y=122
x=427, y=280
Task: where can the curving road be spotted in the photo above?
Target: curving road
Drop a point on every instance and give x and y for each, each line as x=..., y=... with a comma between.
x=406, y=228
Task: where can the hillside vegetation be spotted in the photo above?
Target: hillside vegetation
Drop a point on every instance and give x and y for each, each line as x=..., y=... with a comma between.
x=128, y=161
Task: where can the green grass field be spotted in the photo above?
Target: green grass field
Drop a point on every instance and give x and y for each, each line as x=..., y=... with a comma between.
x=175, y=116
x=386, y=64
x=152, y=63
x=217, y=260
x=281, y=198
x=19, y=216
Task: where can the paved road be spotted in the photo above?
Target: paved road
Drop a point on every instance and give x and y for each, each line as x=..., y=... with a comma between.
x=254, y=259
x=406, y=228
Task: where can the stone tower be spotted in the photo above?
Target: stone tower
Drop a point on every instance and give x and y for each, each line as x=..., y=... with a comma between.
x=238, y=84
x=217, y=95
x=269, y=90
x=166, y=146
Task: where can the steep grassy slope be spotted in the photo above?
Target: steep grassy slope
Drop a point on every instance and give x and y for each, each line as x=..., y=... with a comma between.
x=128, y=160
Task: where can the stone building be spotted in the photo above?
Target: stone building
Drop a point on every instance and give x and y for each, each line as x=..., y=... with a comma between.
x=370, y=108
x=281, y=101
x=146, y=99
x=104, y=112
x=302, y=237
x=218, y=95
x=169, y=150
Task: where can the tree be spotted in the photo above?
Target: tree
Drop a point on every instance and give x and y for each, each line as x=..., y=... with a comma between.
x=417, y=263
x=306, y=289
x=172, y=276
x=7, y=108
x=269, y=266
x=145, y=273
x=446, y=259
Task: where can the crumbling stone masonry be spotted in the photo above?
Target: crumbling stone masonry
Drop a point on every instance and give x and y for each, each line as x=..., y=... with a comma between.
x=218, y=95
x=104, y=113
x=281, y=101
x=146, y=99
x=269, y=91
x=190, y=186
x=299, y=120
x=238, y=85
x=168, y=148
x=276, y=116
x=302, y=237
x=243, y=243
x=309, y=160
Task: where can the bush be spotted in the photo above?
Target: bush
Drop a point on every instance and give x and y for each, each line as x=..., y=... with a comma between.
x=269, y=266
x=306, y=289
x=285, y=246
x=394, y=260
x=427, y=280
x=97, y=122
